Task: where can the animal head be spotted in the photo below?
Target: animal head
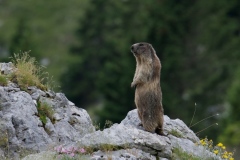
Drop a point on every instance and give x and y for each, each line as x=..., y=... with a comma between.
x=142, y=49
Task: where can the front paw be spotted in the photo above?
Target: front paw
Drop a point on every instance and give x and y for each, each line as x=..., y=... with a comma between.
x=133, y=85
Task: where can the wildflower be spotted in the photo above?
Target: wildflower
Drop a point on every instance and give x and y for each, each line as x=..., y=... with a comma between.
x=64, y=150
x=226, y=153
x=231, y=158
x=223, y=147
x=215, y=151
x=72, y=154
x=225, y=156
x=230, y=153
x=219, y=144
x=72, y=149
x=204, y=143
x=58, y=149
x=82, y=150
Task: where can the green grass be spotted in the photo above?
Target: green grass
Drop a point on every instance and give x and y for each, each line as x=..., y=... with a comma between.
x=179, y=154
x=44, y=111
x=107, y=124
x=175, y=133
x=28, y=72
x=3, y=138
x=3, y=80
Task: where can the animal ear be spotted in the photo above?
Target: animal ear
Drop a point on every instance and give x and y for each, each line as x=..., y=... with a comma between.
x=152, y=49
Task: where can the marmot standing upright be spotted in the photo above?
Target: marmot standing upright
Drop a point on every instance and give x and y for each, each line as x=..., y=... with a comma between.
x=148, y=94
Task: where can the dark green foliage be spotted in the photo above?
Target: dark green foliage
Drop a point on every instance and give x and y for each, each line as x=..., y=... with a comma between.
x=105, y=69
x=21, y=40
x=46, y=30
x=231, y=119
x=232, y=130
x=106, y=66
x=233, y=98
x=194, y=52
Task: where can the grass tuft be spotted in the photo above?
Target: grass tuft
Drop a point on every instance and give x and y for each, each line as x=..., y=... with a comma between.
x=44, y=111
x=3, y=80
x=175, y=133
x=28, y=72
x=178, y=153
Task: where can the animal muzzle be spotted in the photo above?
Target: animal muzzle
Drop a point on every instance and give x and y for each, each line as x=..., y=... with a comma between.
x=134, y=48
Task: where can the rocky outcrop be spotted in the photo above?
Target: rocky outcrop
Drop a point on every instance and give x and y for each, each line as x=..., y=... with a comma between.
x=129, y=135
x=39, y=121
x=129, y=141
x=23, y=128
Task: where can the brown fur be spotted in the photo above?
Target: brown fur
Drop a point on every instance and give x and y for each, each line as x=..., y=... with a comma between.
x=148, y=94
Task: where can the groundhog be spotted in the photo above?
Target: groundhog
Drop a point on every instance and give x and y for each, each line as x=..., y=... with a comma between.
x=146, y=81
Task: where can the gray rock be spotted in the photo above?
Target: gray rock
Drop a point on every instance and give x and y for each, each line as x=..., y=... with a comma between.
x=129, y=141
x=180, y=136
x=128, y=135
x=169, y=126
x=188, y=146
x=51, y=94
x=25, y=130
x=35, y=92
x=62, y=100
x=45, y=155
x=6, y=68
x=121, y=136
x=21, y=129
x=129, y=154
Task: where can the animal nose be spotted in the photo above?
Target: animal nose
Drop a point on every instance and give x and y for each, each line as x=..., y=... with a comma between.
x=132, y=48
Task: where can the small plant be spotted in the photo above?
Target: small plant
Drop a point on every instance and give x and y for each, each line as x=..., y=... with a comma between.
x=69, y=152
x=4, y=140
x=108, y=147
x=44, y=111
x=219, y=149
x=97, y=126
x=191, y=125
x=102, y=147
x=108, y=124
x=178, y=153
x=3, y=80
x=175, y=133
x=28, y=72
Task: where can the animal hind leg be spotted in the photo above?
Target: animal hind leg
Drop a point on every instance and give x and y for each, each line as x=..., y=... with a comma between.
x=140, y=117
x=159, y=129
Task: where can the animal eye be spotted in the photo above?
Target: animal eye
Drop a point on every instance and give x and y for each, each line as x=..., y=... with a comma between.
x=141, y=44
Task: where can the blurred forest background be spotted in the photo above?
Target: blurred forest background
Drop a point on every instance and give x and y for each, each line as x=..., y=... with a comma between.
x=84, y=45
